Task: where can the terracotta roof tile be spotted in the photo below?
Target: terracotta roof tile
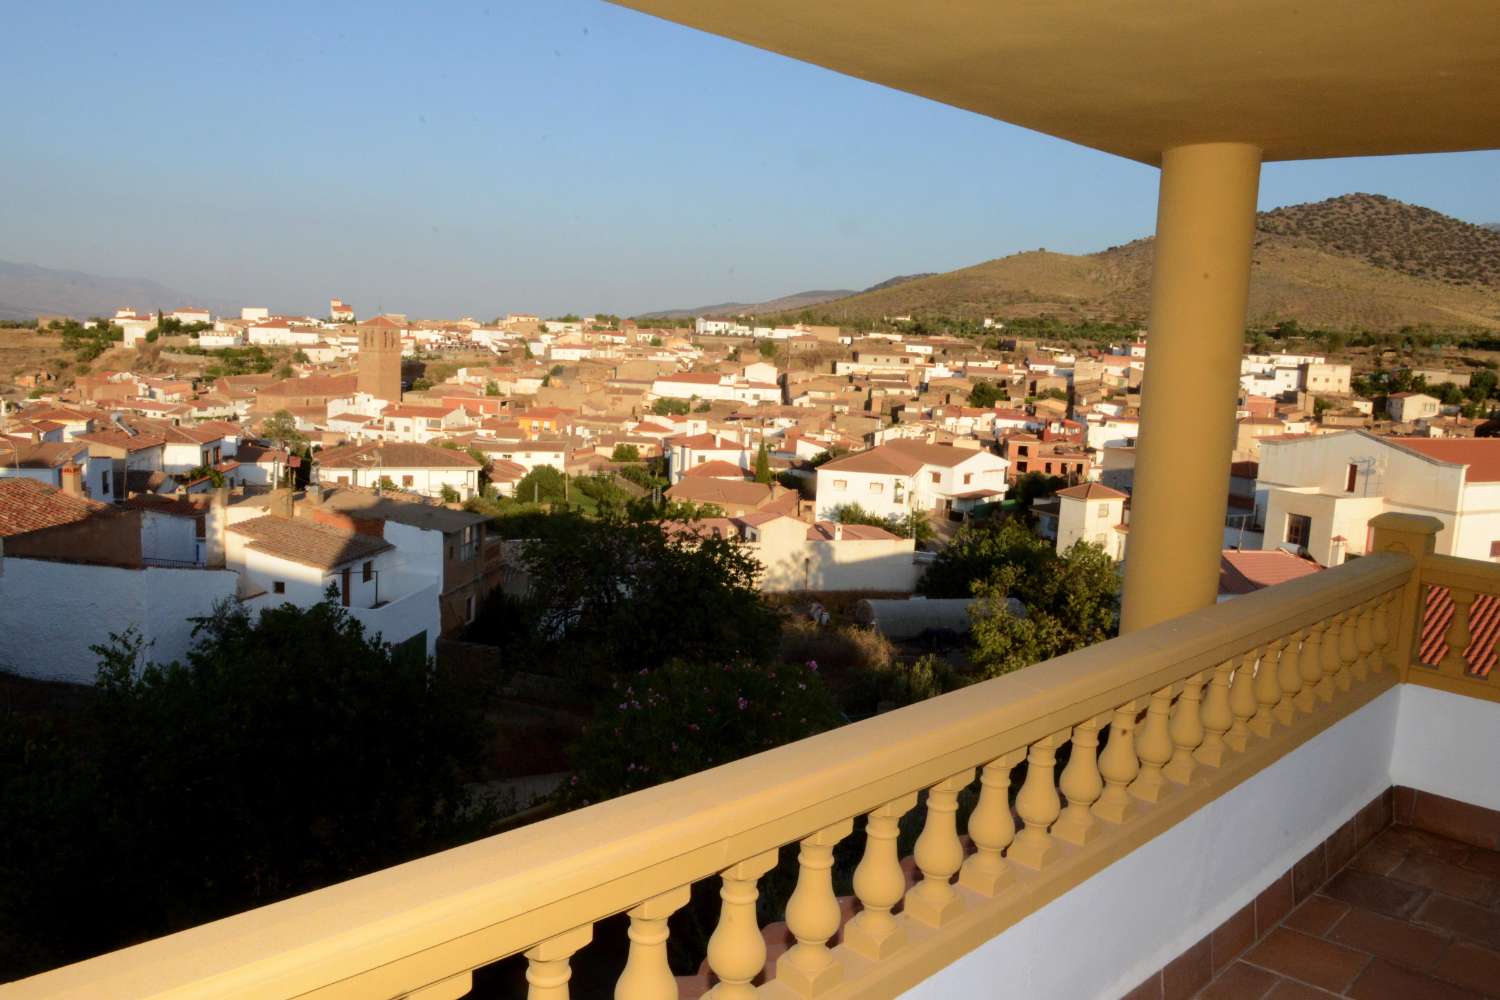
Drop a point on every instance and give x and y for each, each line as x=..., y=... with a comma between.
x=308, y=543
x=31, y=505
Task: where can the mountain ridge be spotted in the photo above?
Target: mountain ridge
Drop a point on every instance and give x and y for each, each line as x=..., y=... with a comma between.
x=27, y=290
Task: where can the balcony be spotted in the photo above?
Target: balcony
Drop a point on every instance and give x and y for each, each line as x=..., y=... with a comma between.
x=1202, y=759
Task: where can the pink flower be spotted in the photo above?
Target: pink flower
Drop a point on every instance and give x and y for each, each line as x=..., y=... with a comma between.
x=744, y=704
x=812, y=665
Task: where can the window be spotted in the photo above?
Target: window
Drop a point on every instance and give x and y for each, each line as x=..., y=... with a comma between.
x=1351, y=476
x=1495, y=550
x=469, y=608
x=343, y=480
x=841, y=484
x=1298, y=530
x=1103, y=510
x=367, y=572
x=407, y=480
x=968, y=478
x=278, y=587
x=877, y=487
x=1023, y=450
x=469, y=543
x=937, y=477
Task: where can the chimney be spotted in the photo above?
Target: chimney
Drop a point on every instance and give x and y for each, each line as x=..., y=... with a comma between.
x=281, y=503
x=215, y=521
x=838, y=532
x=314, y=494
x=72, y=480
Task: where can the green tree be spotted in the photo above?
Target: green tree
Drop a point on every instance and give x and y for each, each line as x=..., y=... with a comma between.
x=492, y=388
x=291, y=751
x=978, y=550
x=902, y=527
x=625, y=453
x=543, y=484
x=664, y=407
x=767, y=349
x=985, y=395
x=763, y=464
x=655, y=341
x=1032, y=486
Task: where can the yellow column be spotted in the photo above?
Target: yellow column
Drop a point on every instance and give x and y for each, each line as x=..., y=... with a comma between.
x=1205, y=223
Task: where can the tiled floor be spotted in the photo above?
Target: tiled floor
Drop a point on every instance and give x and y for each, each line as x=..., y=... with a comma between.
x=1414, y=916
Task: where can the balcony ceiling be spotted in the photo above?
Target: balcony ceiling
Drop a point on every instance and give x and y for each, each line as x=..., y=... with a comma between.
x=1302, y=79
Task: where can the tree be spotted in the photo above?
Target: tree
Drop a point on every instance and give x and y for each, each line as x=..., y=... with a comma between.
x=655, y=341
x=978, y=549
x=613, y=597
x=1070, y=602
x=902, y=527
x=449, y=494
x=664, y=407
x=985, y=395
x=289, y=752
x=763, y=464
x=767, y=349
x=1032, y=486
x=542, y=484
x=492, y=388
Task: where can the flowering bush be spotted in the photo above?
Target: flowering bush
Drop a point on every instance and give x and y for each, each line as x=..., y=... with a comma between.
x=673, y=721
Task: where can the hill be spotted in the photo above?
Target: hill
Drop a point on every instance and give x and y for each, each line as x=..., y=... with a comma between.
x=1355, y=262
x=786, y=304
x=27, y=290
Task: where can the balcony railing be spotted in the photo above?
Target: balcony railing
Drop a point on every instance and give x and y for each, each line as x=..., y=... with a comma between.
x=1156, y=725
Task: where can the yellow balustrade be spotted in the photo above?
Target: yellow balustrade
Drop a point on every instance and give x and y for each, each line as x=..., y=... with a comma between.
x=1216, y=716
x=939, y=854
x=1465, y=579
x=812, y=915
x=737, y=949
x=547, y=963
x=1348, y=650
x=879, y=882
x=992, y=828
x=647, y=975
x=1160, y=721
x=1457, y=635
x=1186, y=729
x=1038, y=804
x=1267, y=690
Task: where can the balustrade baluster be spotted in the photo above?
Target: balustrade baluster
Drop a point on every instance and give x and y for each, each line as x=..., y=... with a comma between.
x=1311, y=665
x=1289, y=675
x=452, y=988
x=1118, y=766
x=737, y=948
x=991, y=828
x=1457, y=635
x=1326, y=686
x=1394, y=654
x=1187, y=730
x=1038, y=804
x=548, y=967
x=1242, y=703
x=1364, y=639
x=1153, y=745
x=1080, y=784
x=1348, y=649
x=1380, y=633
x=647, y=975
x=812, y=915
x=1217, y=718
x=880, y=883
x=1267, y=689
x=938, y=854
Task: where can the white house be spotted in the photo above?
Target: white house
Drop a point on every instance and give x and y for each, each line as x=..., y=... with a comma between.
x=1317, y=494
x=903, y=477
x=416, y=468
x=1407, y=407
x=1091, y=512
x=797, y=556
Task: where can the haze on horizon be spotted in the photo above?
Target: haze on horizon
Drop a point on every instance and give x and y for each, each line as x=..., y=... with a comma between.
x=553, y=156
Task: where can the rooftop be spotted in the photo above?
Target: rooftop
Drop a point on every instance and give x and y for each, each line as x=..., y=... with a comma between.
x=308, y=543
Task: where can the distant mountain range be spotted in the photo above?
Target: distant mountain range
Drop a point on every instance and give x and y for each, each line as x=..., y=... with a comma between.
x=787, y=303
x=1359, y=261
x=27, y=290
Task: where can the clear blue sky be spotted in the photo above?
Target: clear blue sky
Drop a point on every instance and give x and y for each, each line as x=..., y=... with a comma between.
x=541, y=155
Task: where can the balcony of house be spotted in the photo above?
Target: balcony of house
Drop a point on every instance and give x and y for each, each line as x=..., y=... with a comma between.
x=401, y=608
x=1143, y=813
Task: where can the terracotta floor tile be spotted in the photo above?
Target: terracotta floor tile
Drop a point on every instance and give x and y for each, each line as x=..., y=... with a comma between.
x=1233, y=936
x=1397, y=940
x=1273, y=904
x=1386, y=981
x=1309, y=959
x=1405, y=799
x=1408, y=840
x=1343, y=844
x=1188, y=973
x=1378, y=859
x=1471, y=966
x=1447, y=877
x=1480, y=860
x=1376, y=892
x=1239, y=982
x=1461, y=919
x=1471, y=824
x=1290, y=989
x=1316, y=915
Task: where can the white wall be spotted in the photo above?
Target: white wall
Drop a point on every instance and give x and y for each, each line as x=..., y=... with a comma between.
x=1144, y=910
x=165, y=536
x=52, y=612
x=416, y=611
x=1445, y=744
